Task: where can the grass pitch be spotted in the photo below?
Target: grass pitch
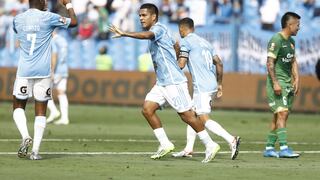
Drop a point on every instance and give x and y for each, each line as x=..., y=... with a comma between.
x=115, y=143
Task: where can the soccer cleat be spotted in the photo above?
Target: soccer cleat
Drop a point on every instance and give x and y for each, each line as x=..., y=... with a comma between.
x=35, y=156
x=23, y=149
x=53, y=115
x=162, y=152
x=61, y=122
x=288, y=153
x=270, y=153
x=235, y=147
x=182, y=154
x=211, y=153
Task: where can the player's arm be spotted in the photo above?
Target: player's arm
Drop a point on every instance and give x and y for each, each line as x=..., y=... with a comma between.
x=176, y=47
x=295, y=75
x=219, y=72
x=137, y=35
x=72, y=15
x=271, y=72
x=54, y=57
x=183, y=57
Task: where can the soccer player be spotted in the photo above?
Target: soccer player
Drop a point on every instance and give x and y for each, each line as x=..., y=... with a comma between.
x=59, y=68
x=34, y=28
x=171, y=85
x=282, y=84
x=206, y=69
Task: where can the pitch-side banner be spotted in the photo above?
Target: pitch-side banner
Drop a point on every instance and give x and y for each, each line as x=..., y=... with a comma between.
x=240, y=91
x=252, y=49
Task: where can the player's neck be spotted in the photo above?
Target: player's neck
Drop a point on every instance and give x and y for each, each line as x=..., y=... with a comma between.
x=285, y=34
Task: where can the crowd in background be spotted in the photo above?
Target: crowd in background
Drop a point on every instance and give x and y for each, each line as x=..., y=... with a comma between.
x=95, y=16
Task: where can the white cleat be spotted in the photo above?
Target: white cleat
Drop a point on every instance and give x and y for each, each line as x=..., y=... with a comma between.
x=23, y=149
x=235, y=147
x=162, y=151
x=53, y=116
x=61, y=122
x=211, y=153
x=35, y=156
x=182, y=154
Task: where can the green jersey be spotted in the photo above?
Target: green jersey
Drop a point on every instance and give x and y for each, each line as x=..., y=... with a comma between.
x=283, y=50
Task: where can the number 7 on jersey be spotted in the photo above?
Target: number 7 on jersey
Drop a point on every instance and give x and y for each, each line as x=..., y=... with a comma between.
x=32, y=38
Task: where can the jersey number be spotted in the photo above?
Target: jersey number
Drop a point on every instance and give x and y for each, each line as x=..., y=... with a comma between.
x=208, y=57
x=32, y=38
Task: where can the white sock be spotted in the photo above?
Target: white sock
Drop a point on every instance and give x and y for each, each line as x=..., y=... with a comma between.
x=51, y=106
x=205, y=138
x=216, y=128
x=191, y=137
x=20, y=119
x=162, y=137
x=39, y=126
x=64, y=105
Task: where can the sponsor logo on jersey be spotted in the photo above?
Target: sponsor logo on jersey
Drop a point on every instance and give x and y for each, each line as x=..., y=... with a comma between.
x=288, y=58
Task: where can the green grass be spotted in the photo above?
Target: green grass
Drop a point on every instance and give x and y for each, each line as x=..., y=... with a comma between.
x=119, y=124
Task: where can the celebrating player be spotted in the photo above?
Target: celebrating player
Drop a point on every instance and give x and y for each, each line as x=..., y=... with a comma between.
x=33, y=29
x=171, y=85
x=281, y=87
x=59, y=67
x=206, y=69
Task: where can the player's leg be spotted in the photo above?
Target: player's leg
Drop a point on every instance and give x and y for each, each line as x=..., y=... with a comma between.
x=63, y=102
x=54, y=112
x=191, y=138
x=21, y=92
x=178, y=97
x=153, y=101
x=42, y=93
x=271, y=139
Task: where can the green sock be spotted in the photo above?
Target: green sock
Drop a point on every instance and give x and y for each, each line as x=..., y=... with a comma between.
x=271, y=138
x=282, y=136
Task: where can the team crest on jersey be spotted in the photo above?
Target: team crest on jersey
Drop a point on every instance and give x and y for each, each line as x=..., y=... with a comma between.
x=63, y=20
x=292, y=46
x=272, y=46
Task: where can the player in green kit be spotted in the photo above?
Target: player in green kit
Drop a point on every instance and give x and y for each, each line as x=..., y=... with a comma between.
x=282, y=84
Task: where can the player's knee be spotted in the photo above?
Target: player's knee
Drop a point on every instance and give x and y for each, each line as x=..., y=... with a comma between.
x=146, y=111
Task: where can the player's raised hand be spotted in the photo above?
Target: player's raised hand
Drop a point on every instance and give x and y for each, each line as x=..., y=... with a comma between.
x=118, y=33
x=65, y=2
x=219, y=93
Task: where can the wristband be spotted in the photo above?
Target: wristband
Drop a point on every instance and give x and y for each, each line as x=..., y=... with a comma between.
x=68, y=6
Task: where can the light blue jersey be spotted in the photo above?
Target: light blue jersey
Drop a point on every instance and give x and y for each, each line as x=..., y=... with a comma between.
x=34, y=29
x=60, y=46
x=200, y=63
x=164, y=57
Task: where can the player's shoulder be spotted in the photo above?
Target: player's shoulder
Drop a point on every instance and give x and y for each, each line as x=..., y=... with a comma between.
x=159, y=25
x=276, y=38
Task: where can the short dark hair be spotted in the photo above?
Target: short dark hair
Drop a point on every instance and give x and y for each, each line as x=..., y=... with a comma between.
x=285, y=18
x=151, y=8
x=187, y=22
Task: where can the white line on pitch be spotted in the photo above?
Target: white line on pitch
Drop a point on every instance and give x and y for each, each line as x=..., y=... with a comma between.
x=143, y=153
x=145, y=141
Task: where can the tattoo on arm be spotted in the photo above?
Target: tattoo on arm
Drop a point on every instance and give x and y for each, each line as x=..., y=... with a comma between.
x=219, y=67
x=271, y=70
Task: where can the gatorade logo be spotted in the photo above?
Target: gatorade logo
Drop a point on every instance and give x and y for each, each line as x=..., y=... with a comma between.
x=23, y=89
x=48, y=92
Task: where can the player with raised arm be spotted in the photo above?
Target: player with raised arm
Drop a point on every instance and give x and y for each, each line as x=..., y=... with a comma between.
x=282, y=84
x=33, y=29
x=60, y=74
x=206, y=69
x=171, y=84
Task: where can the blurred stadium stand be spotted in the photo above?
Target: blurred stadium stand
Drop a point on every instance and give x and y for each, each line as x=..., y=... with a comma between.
x=236, y=34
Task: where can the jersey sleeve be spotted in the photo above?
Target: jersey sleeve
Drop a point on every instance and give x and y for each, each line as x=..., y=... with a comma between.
x=273, y=47
x=59, y=21
x=184, y=49
x=158, y=32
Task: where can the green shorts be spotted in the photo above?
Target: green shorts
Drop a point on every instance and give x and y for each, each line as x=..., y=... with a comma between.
x=284, y=101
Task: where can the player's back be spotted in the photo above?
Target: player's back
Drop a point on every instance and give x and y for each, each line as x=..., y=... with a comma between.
x=200, y=63
x=34, y=29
